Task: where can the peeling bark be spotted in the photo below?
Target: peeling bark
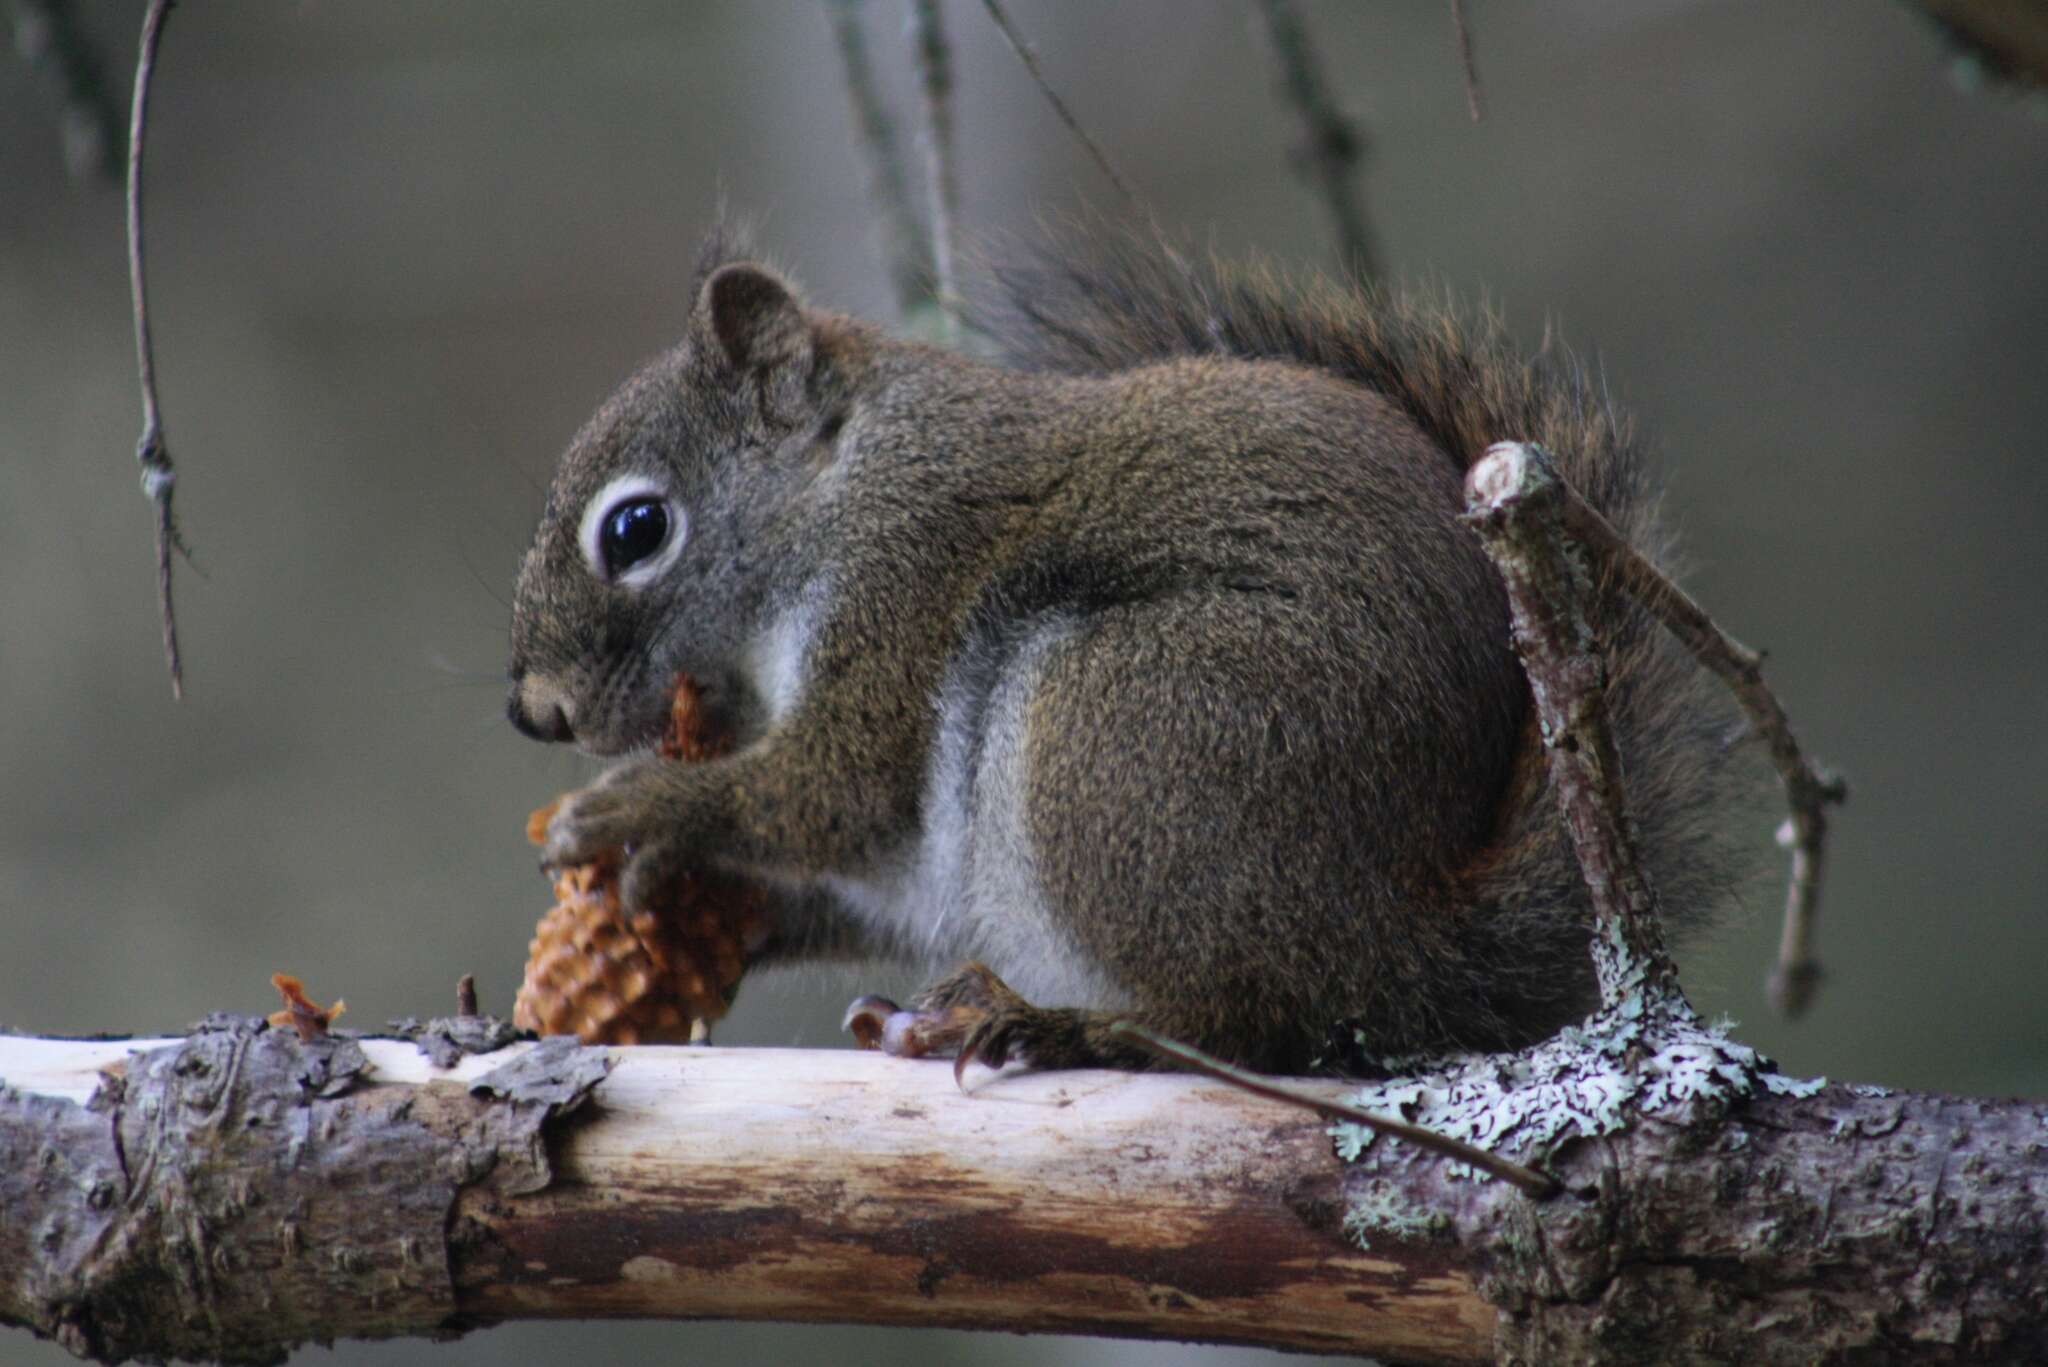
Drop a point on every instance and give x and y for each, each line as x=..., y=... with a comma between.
x=233, y=1194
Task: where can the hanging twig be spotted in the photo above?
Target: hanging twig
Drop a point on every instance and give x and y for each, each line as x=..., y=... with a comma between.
x=1537, y=1184
x=1331, y=144
x=942, y=186
x=1464, y=32
x=1195, y=283
x=904, y=246
x=158, y=479
x=1059, y=106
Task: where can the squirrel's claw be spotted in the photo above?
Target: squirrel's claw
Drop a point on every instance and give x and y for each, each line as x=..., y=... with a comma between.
x=989, y=1042
x=1014, y=1028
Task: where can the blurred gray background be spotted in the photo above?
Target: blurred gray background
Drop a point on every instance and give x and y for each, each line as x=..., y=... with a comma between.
x=399, y=251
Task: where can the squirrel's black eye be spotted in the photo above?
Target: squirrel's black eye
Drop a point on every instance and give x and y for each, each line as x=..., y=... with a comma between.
x=632, y=532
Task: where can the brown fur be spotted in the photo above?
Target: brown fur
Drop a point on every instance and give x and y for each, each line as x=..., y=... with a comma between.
x=1149, y=665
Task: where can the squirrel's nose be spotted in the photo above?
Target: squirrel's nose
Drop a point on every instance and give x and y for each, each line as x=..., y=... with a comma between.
x=538, y=713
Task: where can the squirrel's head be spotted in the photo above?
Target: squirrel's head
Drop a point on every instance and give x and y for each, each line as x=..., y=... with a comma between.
x=666, y=536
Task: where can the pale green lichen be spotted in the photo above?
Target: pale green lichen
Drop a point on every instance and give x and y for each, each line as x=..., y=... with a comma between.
x=1644, y=1056
x=1382, y=1210
x=1779, y=1085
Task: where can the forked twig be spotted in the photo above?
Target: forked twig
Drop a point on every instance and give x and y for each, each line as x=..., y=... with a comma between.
x=1537, y=1184
x=1331, y=144
x=942, y=184
x=1809, y=788
x=158, y=478
x=904, y=244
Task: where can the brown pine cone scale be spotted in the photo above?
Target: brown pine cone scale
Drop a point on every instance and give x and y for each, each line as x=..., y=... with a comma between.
x=655, y=977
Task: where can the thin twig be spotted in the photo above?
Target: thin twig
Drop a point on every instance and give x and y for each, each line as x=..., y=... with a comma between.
x=158, y=479
x=1464, y=32
x=1330, y=145
x=1809, y=788
x=1514, y=499
x=942, y=183
x=904, y=246
x=1537, y=1184
x=1197, y=288
x=1059, y=106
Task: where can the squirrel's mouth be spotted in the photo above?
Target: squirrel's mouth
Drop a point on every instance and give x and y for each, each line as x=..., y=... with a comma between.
x=618, y=737
x=616, y=744
x=539, y=711
x=606, y=722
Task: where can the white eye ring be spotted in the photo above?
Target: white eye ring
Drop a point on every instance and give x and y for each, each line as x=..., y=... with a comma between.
x=622, y=490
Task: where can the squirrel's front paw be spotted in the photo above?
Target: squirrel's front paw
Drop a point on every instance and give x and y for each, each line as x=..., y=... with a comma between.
x=628, y=817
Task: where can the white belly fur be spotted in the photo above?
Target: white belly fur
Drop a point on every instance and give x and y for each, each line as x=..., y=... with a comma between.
x=969, y=886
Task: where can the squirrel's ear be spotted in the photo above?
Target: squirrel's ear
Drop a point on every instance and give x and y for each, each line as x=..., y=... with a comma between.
x=754, y=320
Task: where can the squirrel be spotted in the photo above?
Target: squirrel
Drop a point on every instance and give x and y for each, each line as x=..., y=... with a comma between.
x=1144, y=667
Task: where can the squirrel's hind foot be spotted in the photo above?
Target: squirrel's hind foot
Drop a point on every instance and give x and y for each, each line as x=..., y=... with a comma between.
x=975, y=1016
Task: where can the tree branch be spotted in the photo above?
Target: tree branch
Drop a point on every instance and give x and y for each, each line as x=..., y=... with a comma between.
x=239, y=1192
x=734, y=1183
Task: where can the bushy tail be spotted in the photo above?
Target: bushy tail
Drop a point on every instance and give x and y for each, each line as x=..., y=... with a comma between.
x=1090, y=308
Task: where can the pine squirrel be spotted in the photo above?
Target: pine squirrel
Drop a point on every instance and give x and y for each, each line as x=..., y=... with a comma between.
x=1147, y=665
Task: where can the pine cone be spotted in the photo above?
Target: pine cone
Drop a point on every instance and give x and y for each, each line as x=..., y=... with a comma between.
x=657, y=977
